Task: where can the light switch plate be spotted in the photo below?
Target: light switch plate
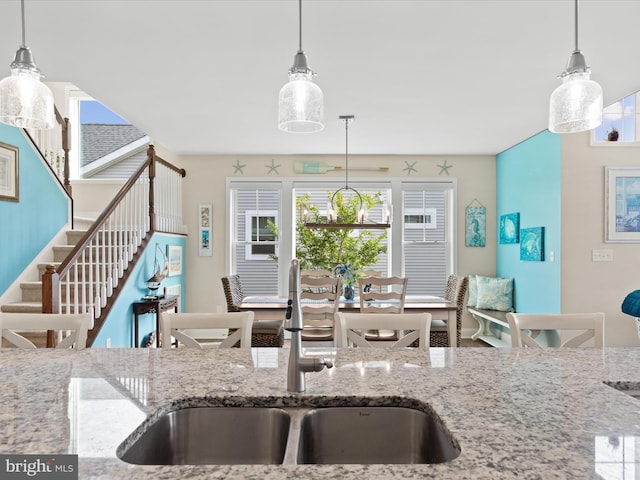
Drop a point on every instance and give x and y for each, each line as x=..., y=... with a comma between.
x=602, y=255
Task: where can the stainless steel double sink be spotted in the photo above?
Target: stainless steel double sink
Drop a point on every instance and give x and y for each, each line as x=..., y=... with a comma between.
x=292, y=435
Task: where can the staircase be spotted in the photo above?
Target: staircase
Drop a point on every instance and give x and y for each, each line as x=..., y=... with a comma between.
x=31, y=301
x=90, y=271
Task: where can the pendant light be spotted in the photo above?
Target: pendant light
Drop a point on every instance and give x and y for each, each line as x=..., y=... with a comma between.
x=576, y=105
x=363, y=222
x=300, y=103
x=25, y=101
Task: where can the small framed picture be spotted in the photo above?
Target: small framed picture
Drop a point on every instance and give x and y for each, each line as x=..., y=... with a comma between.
x=622, y=204
x=532, y=244
x=9, y=173
x=475, y=226
x=175, y=260
x=510, y=228
x=205, y=221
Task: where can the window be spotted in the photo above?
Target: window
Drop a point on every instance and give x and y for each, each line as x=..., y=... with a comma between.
x=620, y=123
x=319, y=196
x=427, y=237
x=259, y=236
x=420, y=243
x=252, y=206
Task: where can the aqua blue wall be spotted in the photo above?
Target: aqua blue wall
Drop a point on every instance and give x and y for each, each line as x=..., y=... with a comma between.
x=119, y=324
x=528, y=180
x=28, y=225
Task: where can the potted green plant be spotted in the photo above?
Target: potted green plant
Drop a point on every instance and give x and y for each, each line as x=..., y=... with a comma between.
x=345, y=251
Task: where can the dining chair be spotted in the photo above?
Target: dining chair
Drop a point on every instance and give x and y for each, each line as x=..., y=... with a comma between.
x=171, y=324
x=316, y=273
x=455, y=292
x=370, y=272
x=525, y=327
x=320, y=295
x=264, y=333
x=414, y=326
x=382, y=295
x=73, y=328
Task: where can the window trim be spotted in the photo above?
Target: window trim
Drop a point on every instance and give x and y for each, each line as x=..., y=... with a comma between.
x=249, y=215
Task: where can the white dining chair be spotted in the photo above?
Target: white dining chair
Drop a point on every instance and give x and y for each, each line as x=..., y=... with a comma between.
x=320, y=295
x=525, y=327
x=382, y=295
x=74, y=328
x=413, y=326
x=241, y=322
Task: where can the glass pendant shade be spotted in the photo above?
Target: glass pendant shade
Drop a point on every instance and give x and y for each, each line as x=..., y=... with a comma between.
x=300, y=104
x=25, y=101
x=576, y=105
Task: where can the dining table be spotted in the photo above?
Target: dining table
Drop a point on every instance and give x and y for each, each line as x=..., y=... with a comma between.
x=274, y=307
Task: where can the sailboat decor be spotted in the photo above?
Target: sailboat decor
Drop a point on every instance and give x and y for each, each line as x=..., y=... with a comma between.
x=156, y=279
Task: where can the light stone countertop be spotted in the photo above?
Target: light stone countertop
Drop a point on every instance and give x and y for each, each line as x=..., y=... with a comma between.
x=515, y=413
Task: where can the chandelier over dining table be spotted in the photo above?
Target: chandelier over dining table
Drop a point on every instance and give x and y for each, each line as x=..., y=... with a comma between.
x=363, y=221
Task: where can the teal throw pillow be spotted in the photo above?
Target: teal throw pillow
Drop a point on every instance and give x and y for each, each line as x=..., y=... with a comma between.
x=495, y=293
x=473, y=291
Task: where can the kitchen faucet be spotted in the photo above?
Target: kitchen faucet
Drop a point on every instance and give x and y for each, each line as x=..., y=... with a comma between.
x=299, y=364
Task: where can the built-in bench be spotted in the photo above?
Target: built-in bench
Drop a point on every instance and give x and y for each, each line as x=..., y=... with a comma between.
x=485, y=318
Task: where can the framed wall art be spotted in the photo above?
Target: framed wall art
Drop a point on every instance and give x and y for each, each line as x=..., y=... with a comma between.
x=174, y=252
x=622, y=204
x=510, y=228
x=9, y=173
x=205, y=220
x=475, y=226
x=532, y=244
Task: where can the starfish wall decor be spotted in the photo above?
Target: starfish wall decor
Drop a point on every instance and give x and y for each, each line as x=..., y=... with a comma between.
x=444, y=168
x=273, y=167
x=410, y=168
x=238, y=168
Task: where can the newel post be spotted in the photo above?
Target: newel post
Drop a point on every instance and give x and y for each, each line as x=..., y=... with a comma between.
x=151, y=154
x=50, y=296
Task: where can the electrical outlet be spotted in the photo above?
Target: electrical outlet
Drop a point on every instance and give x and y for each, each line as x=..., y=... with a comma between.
x=108, y=342
x=602, y=255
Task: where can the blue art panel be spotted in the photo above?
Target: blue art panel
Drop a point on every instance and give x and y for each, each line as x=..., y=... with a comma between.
x=510, y=228
x=532, y=244
x=476, y=226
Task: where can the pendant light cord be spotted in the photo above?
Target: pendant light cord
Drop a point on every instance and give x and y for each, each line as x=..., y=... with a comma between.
x=576, y=21
x=299, y=25
x=24, y=44
x=346, y=152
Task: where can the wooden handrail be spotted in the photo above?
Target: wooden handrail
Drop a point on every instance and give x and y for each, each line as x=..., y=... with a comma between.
x=93, y=230
x=90, y=275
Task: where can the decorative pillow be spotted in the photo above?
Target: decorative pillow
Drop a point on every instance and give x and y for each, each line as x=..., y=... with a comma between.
x=473, y=291
x=495, y=293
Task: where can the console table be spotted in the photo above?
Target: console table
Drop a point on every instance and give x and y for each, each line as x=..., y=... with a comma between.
x=153, y=306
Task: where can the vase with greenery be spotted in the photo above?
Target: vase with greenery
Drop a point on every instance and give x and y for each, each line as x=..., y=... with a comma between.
x=344, y=251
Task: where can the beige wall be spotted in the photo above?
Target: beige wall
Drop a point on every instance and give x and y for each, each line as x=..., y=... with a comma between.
x=90, y=197
x=588, y=285
x=205, y=183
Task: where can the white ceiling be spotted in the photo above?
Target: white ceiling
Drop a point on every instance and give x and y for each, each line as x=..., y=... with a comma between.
x=421, y=76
